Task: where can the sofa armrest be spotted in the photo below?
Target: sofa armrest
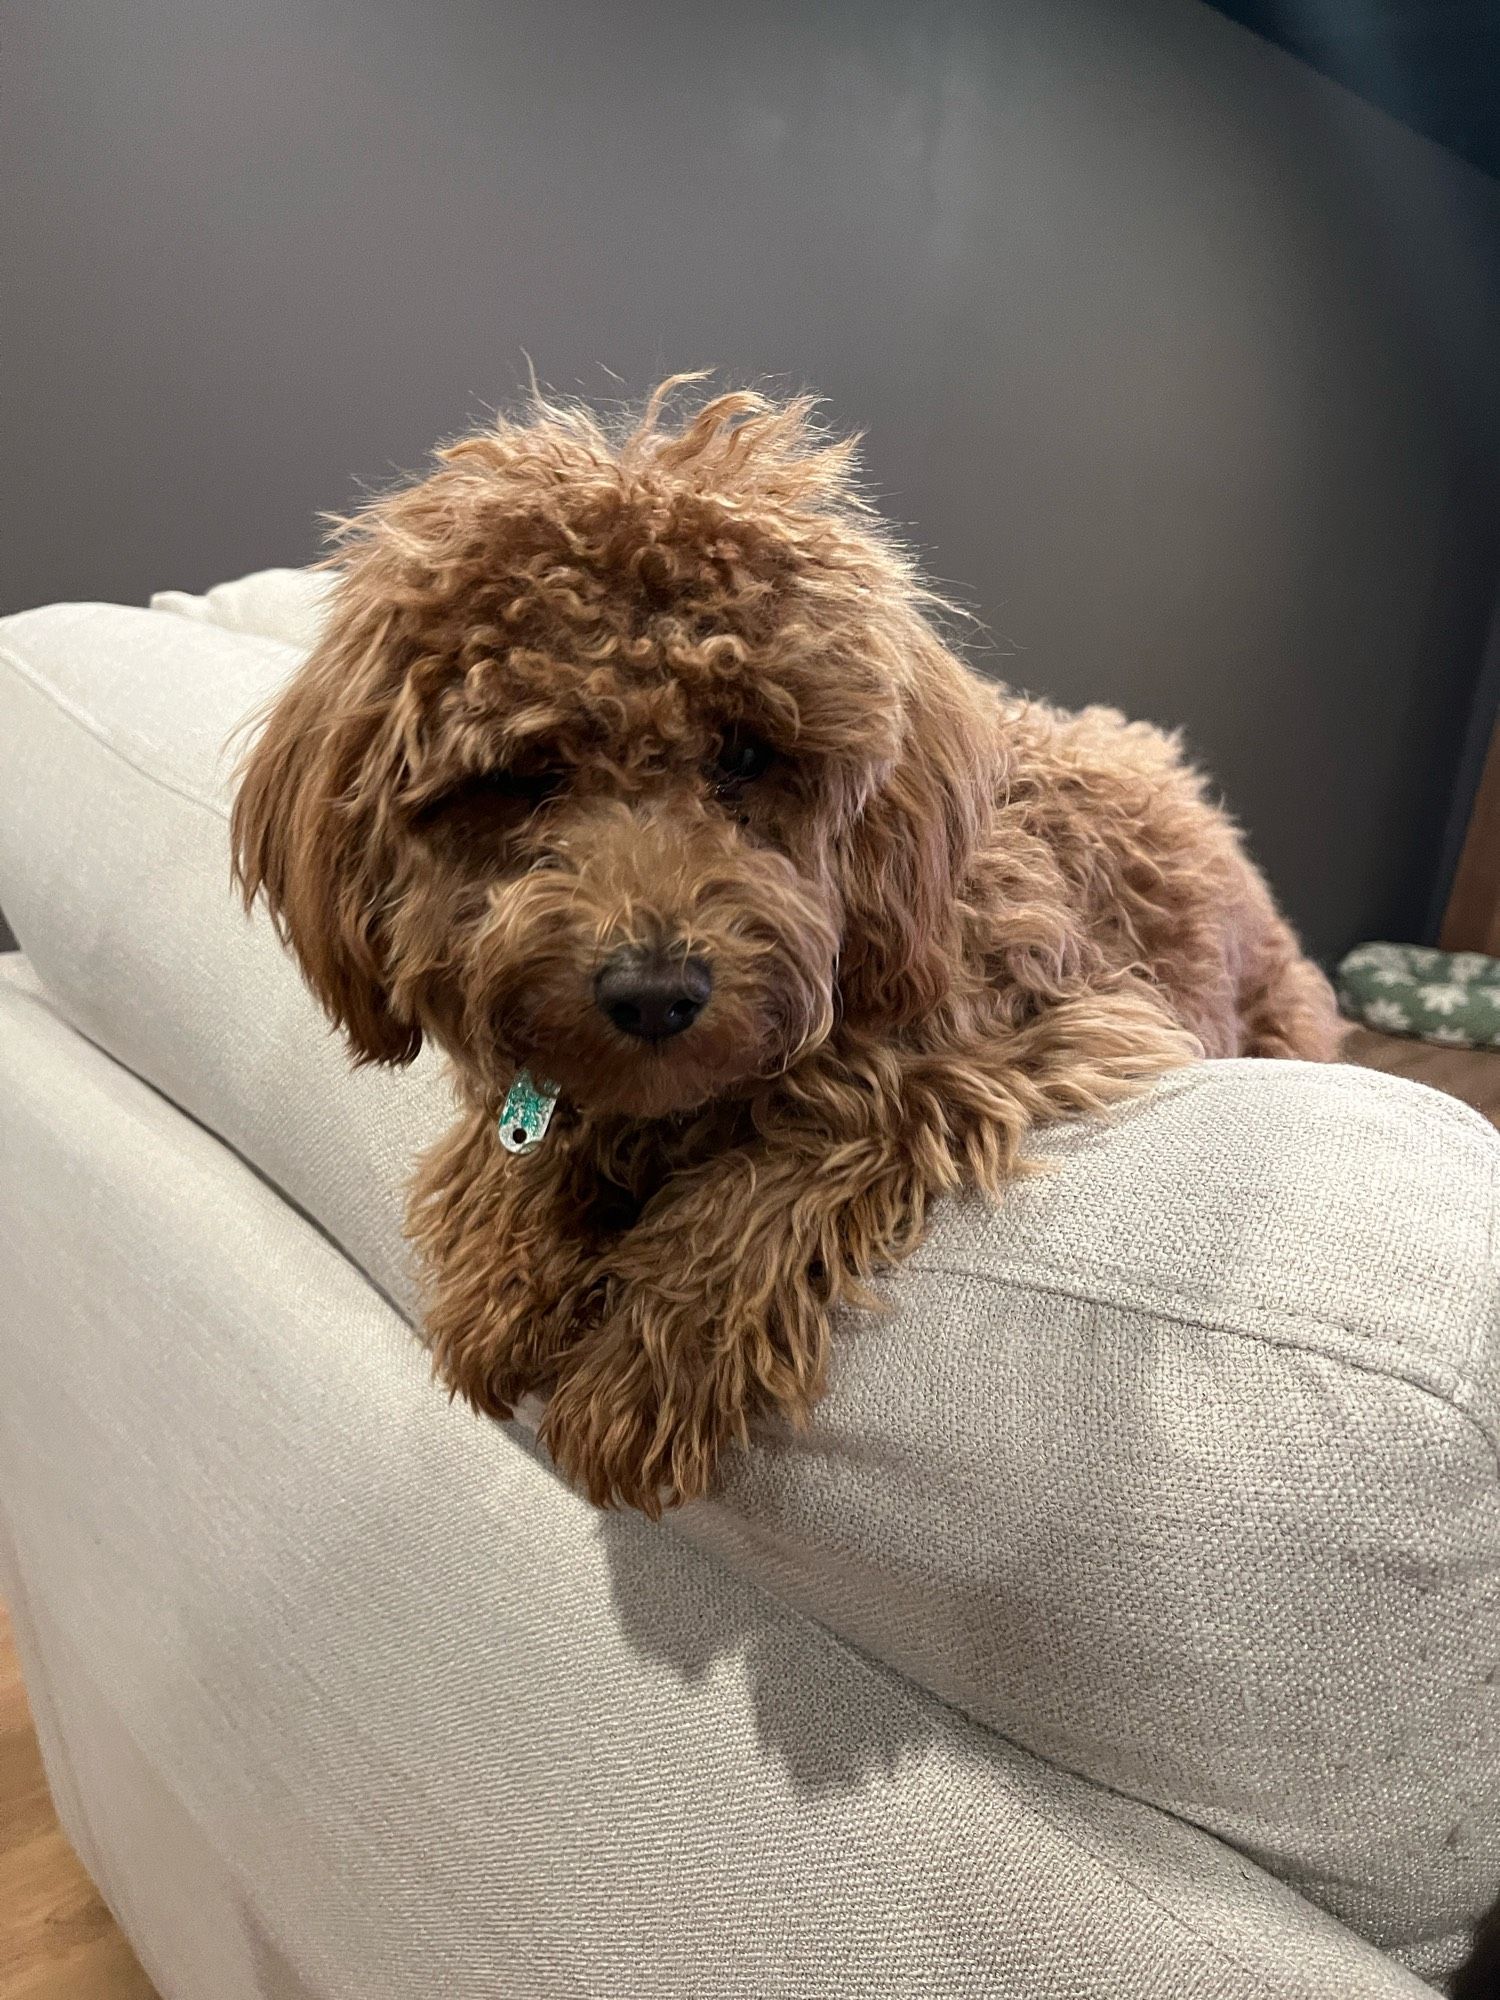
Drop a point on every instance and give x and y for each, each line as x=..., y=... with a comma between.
x=343, y=1692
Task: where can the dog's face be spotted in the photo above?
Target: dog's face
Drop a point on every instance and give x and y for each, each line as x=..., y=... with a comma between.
x=630, y=763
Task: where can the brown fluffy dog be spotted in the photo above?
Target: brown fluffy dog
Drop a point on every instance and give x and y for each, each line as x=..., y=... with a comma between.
x=633, y=758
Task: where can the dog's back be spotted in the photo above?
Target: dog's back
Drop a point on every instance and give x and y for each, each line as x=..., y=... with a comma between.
x=1161, y=877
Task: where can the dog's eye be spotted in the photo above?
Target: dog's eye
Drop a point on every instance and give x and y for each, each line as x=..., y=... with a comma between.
x=742, y=758
x=495, y=788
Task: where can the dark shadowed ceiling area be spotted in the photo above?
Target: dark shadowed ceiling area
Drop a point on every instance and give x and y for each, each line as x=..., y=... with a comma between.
x=1434, y=64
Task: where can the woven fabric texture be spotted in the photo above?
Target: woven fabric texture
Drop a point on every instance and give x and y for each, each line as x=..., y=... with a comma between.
x=343, y=1694
x=1178, y=1472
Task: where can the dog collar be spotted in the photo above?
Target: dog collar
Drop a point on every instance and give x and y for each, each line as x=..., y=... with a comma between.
x=526, y=1113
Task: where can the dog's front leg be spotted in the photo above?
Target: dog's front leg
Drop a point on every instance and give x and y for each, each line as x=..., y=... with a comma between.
x=716, y=1304
x=509, y=1260
x=718, y=1309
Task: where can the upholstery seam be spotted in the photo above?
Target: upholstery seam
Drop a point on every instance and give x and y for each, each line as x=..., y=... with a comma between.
x=1377, y=1083
x=83, y=721
x=1374, y=1083
x=1494, y=1258
x=1079, y=1843
x=1410, y=1375
x=918, y=1694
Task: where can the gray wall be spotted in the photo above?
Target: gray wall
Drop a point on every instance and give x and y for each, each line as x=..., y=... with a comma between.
x=1170, y=352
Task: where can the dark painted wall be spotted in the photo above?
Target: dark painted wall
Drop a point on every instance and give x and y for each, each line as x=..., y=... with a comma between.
x=1171, y=352
x=1434, y=64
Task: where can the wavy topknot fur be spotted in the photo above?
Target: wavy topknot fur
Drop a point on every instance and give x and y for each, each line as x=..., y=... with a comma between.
x=670, y=693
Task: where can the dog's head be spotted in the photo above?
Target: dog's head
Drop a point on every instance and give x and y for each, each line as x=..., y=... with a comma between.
x=628, y=758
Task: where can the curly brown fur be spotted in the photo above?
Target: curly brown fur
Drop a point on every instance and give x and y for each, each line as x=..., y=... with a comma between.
x=941, y=916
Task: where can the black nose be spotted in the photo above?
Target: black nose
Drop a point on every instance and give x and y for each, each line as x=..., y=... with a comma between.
x=648, y=994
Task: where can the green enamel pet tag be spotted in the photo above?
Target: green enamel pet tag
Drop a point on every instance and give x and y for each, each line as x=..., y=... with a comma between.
x=526, y=1113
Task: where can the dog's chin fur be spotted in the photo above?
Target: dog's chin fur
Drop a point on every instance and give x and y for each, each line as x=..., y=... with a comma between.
x=936, y=915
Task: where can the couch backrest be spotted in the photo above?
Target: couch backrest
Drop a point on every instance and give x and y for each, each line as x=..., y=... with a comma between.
x=1180, y=1470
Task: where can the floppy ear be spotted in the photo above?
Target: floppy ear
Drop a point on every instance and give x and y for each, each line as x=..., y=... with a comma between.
x=309, y=828
x=905, y=858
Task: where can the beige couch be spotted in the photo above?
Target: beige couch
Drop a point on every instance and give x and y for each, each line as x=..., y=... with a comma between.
x=1128, y=1625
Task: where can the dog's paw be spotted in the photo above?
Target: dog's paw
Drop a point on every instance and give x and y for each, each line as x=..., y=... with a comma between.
x=634, y=1422
x=498, y=1338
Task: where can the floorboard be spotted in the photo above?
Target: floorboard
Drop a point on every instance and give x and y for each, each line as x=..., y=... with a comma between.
x=57, y=1939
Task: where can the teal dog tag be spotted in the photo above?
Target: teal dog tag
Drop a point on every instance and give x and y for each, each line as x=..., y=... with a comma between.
x=526, y=1113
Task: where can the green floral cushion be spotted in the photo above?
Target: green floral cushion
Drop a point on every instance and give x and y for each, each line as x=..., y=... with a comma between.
x=1438, y=996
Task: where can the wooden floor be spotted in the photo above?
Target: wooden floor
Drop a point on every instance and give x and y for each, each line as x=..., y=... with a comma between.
x=57, y=1940
x=1472, y=1074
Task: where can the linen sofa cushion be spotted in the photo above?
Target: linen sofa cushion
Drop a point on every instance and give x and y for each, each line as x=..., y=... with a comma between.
x=342, y=1696
x=284, y=604
x=1179, y=1471
x=117, y=748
